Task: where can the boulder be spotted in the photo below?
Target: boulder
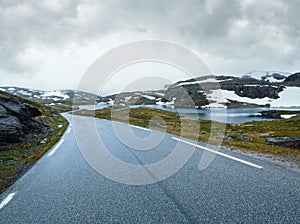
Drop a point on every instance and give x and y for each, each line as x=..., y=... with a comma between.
x=17, y=123
x=243, y=137
x=10, y=129
x=287, y=142
x=19, y=109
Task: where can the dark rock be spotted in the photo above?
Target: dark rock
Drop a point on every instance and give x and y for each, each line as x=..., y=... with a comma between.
x=17, y=121
x=293, y=78
x=278, y=76
x=19, y=109
x=287, y=142
x=272, y=114
x=243, y=137
x=252, y=88
x=2, y=112
x=258, y=91
x=10, y=129
x=237, y=104
x=248, y=77
x=225, y=137
x=164, y=100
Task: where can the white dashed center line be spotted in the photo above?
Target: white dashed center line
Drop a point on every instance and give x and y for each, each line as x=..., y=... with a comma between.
x=68, y=131
x=219, y=153
x=7, y=200
x=56, y=147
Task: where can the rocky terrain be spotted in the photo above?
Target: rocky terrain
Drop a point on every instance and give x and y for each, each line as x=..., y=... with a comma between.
x=51, y=98
x=27, y=130
x=287, y=142
x=17, y=121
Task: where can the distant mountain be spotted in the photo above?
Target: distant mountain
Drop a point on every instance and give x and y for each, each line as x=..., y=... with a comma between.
x=67, y=97
x=254, y=89
x=267, y=76
x=293, y=79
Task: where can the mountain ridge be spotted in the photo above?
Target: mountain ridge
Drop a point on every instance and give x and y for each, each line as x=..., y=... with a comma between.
x=255, y=89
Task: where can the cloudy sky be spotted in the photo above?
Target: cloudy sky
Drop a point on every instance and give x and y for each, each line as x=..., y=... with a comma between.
x=50, y=44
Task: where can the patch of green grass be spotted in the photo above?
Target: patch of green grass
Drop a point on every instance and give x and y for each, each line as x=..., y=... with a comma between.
x=7, y=157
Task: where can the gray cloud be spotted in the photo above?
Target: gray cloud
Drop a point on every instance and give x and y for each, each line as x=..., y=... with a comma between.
x=240, y=30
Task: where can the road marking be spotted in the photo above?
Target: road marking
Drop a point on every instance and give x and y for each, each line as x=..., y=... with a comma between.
x=68, y=131
x=7, y=199
x=56, y=147
x=220, y=153
x=134, y=126
x=142, y=128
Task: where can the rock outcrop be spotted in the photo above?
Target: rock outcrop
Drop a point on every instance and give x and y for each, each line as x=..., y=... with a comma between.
x=252, y=89
x=293, y=78
x=17, y=121
x=272, y=114
x=287, y=142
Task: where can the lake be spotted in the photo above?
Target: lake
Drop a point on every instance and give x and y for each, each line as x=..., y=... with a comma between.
x=236, y=115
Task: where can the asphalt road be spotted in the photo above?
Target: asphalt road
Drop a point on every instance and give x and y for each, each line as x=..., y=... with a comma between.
x=63, y=188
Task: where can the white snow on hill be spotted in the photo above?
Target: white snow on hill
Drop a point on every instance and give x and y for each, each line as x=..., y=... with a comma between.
x=223, y=96
x=289, y=97
x=56, y=94
x=198, y=82
x=267, y=76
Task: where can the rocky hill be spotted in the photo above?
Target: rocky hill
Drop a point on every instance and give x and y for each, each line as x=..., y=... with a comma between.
x=254, y=89
x=262, y=89
x=55, y=97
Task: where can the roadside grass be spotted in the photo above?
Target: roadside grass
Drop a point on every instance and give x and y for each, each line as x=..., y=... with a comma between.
x=201, y=130
x=17, y=158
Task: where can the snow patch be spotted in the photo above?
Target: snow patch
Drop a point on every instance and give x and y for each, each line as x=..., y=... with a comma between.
x=268, y=76
x=197, y=82
x=127, y=98
x=54, y=94
x=149, y=97
x=159, y=94
x=223, y=96
x=171, y=103
x=289, y=97
x=287, y=116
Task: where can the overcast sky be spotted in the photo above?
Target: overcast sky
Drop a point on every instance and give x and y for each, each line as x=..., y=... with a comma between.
x=49, y=44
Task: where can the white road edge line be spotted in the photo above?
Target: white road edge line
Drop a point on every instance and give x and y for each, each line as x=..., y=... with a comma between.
x=7, y=199
x=142, y=128
x=56, y=147
x=219, y=153
x=68, y=131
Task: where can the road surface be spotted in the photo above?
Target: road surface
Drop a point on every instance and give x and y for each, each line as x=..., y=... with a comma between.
x=63, y=188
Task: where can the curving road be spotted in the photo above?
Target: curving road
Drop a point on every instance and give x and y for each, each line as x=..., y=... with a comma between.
x=63, y=188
